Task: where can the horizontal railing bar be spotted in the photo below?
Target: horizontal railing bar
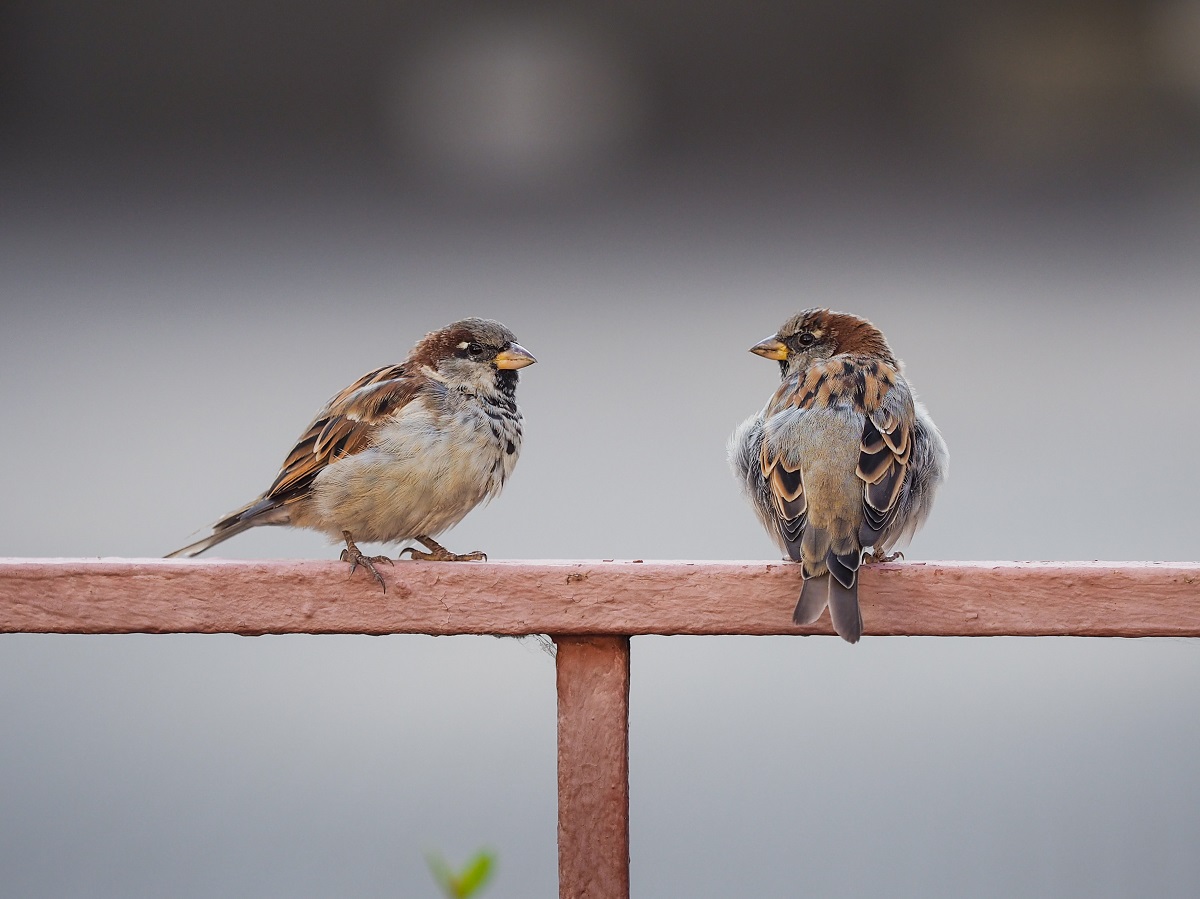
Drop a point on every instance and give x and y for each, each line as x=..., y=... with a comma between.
x=623, y=598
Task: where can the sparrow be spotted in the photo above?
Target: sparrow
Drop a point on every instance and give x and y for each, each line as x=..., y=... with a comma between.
x=405, y=452
x=841, y=458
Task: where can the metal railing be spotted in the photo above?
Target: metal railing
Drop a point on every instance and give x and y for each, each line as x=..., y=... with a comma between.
x=591, y=609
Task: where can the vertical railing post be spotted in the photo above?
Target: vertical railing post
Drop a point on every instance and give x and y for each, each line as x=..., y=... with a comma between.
x=593, y=767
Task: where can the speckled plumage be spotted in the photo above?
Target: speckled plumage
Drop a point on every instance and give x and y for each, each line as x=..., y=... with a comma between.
x=404, y=452
x=841, y=458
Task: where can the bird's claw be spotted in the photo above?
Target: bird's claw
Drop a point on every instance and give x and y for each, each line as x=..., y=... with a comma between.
x=444, y=556
x=439, y=553
x=355, y=557
x=875, y=557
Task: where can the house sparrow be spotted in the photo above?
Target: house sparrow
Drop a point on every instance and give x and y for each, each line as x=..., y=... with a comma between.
x=405, y=452
x=842, y=457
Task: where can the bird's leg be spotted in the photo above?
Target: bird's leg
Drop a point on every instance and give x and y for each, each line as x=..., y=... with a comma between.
x=875, y=557
x=439, y=553
x=354, y=556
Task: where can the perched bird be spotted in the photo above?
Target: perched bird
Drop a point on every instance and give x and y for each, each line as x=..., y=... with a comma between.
x=405, y=452
x=841, y=458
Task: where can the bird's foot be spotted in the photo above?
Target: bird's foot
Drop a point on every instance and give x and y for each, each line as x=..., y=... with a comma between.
x=355, y=557
x=439, y=553
x=875, y=557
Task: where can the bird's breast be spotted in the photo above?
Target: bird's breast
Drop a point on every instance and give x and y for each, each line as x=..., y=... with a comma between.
x=424, y=471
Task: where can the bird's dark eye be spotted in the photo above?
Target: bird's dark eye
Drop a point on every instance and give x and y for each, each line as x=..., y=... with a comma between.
x=474, y=349
x=806, y=339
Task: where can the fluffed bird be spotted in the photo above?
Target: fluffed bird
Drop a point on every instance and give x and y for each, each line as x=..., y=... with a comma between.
x=403, y=453
x=841, y=458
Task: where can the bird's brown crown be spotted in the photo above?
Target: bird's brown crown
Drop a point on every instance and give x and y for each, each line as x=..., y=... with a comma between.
x=841, y=331
x=447, y=342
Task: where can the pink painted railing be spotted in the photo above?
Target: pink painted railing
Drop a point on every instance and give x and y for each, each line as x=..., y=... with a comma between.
x=591, y=609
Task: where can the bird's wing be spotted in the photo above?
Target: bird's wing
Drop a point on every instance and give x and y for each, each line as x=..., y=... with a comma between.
x=786, y=489
x=883, y=458
x=345, y=426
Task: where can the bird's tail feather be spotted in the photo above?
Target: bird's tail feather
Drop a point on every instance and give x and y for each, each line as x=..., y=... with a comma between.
x=814, y=596
x=823, y=590
x=844, y=611
x=259, y=512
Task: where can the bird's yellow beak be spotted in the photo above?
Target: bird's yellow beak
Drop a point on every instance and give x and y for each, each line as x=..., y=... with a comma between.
x=516, y=356
x=771, y=348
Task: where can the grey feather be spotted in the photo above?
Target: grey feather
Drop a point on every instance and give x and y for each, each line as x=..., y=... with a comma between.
x=814, y=596
x=844, y=611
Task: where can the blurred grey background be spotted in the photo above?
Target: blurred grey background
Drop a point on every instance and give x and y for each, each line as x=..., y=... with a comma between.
x=216, y=215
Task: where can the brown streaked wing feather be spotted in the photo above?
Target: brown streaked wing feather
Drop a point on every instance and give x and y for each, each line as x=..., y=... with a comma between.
x=896, y=435
x=787, y=492
x=343, y=427
x=883, y=460
x=881, y=496
x=785, y=484
x=874, y=456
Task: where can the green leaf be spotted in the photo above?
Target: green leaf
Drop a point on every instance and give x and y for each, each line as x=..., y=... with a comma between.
x=467, y=882
x=475, y=875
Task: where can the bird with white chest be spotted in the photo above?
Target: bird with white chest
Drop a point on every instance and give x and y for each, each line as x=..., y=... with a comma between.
x=403, y=453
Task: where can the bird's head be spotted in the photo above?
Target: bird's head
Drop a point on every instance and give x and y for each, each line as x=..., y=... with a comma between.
x=816, y=334
x=475, y=353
